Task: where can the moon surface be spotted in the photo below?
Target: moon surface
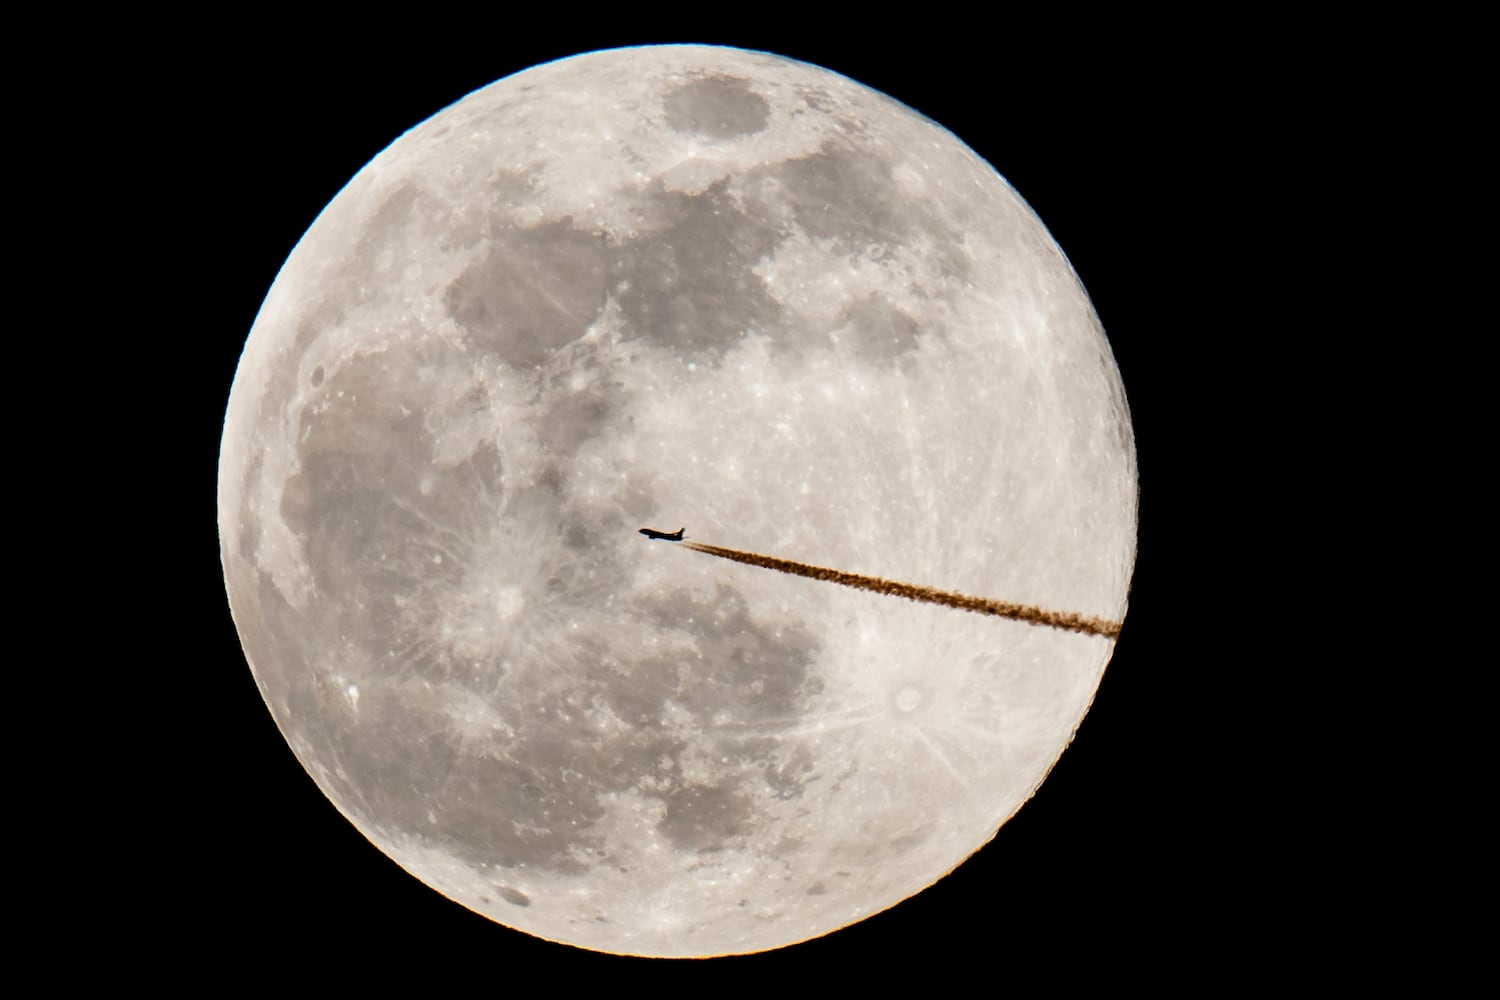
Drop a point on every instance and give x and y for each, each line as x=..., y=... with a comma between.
x=671, y=286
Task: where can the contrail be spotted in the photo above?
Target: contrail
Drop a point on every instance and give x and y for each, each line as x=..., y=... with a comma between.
x=927, y=595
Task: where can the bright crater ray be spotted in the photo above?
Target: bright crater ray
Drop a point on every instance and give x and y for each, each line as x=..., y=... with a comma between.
x=667, y=286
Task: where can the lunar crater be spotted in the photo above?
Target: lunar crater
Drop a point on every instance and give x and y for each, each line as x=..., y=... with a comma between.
x=721, y=107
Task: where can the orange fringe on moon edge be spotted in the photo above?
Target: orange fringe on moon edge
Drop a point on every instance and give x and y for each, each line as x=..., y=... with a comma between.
x=979, y=605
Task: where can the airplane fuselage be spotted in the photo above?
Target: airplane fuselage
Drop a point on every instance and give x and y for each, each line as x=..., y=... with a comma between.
x=662, y=535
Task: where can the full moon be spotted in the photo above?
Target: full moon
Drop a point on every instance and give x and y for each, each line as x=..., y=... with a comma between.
x=665, y=287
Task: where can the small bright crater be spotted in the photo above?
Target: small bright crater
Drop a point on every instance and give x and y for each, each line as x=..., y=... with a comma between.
x=508, y=602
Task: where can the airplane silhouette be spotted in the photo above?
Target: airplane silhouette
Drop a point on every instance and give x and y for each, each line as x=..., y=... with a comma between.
x=653, y=533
